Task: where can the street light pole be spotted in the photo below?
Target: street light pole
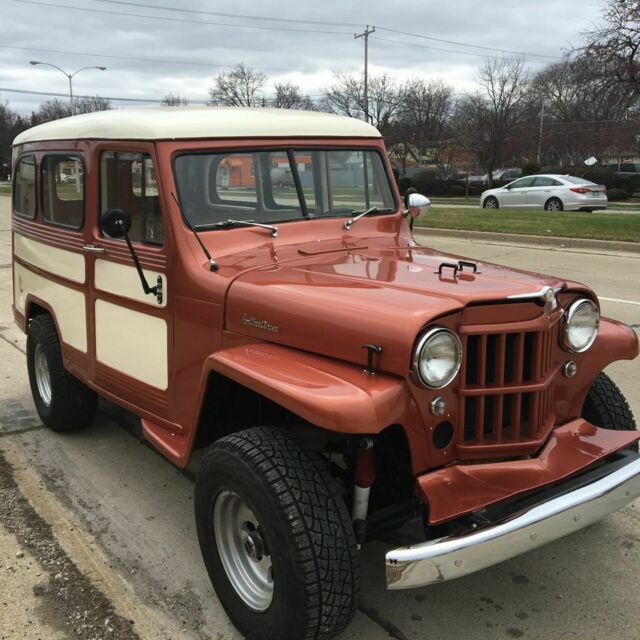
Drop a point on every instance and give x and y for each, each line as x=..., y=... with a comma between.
x=69, y=76
x=365, y=35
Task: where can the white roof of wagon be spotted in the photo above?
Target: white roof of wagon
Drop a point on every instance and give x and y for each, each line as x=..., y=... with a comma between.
x=176, y=123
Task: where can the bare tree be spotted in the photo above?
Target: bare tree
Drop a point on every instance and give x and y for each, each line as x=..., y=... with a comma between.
x=487, y=120
x=11, y=124
x=289, y=96
x=586, y=110
x=174, y=100
x=55, y=109
x=424, y=123
x=89, y=104
x=240, y=87
x=615, y=43
x=346, y=96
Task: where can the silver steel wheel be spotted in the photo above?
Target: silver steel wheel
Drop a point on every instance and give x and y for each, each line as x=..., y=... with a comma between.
x=554, y=205
x=43, y=377
x=490, y=203
x=243, y=550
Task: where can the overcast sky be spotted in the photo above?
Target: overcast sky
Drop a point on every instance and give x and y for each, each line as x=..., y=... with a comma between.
x=187, y=50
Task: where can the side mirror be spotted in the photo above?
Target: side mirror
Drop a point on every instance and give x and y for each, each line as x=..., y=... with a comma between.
x=116, y=223
x=417, y=204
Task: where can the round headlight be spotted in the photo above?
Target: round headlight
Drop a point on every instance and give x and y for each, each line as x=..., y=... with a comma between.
x=437, y=357
x=581, y=325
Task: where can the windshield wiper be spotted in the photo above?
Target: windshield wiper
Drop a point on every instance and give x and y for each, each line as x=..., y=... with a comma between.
x=361, y=214
x=213, y=265
x=229, y=223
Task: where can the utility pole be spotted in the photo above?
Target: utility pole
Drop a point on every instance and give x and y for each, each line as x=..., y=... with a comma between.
x=365, y=35
x=540, y=135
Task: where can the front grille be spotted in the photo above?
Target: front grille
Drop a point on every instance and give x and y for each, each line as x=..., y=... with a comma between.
x=506, y=385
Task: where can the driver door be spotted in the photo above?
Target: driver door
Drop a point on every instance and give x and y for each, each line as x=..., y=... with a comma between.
x=130, y=330
x=517, y=194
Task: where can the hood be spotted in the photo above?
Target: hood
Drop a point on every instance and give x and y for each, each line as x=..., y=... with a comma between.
x=334, y=303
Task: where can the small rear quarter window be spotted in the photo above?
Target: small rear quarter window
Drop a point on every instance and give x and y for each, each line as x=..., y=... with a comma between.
x=24, y=187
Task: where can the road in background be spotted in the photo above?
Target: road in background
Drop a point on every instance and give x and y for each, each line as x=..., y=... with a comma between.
x=133, y=512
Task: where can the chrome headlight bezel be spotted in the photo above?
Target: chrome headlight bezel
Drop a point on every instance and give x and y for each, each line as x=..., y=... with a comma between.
x=418, y=353
x=570, y=316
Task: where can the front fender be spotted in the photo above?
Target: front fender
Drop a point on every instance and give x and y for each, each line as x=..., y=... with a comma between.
x=333, y=395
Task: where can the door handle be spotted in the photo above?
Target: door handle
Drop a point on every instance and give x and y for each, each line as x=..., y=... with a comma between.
x=92, y=248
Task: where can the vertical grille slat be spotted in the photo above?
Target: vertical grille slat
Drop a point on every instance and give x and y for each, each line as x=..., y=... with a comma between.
x=495, y=361
x=480, y=410
x=482, y=361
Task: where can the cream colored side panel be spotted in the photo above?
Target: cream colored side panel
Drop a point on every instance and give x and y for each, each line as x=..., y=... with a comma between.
x=67, y=304
x=123, y=280
x=133, y=343
x=66, y=264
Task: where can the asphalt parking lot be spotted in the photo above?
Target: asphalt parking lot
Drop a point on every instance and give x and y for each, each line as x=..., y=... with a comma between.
x=122, y=517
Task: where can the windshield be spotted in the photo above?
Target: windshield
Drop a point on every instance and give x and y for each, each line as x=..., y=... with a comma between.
x=279, y=186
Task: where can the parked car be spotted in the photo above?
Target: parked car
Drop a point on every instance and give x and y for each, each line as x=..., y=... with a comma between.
x=502, y=176
x=631, y=169
x=549, y=192
x=340, y=380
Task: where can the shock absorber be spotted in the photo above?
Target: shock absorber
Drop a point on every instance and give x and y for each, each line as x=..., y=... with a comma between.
x=365, y=474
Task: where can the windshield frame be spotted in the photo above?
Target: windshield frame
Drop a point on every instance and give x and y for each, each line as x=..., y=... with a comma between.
x=288, y=149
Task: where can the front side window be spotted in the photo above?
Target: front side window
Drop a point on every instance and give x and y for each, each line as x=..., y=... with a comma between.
x=280, y=185
x=63, y=190
x=24, y=187
x=128, y=182
x=523, y=182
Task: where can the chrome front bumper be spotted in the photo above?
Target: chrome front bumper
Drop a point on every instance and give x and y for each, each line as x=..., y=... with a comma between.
x=453, y=557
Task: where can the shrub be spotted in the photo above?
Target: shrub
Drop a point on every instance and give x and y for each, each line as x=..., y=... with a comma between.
x=456, y=190
x=617, y=194
x=530, y=167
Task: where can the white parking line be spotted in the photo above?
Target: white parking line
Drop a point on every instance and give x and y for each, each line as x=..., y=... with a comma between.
x=618, y=300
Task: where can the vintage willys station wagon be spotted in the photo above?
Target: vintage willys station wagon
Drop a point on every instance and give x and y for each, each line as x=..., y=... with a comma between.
x=246, y=281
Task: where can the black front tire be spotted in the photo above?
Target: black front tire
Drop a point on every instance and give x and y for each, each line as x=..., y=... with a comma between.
x=69, y=404
x=490, y=203
x=303, y=523
x=606, y=407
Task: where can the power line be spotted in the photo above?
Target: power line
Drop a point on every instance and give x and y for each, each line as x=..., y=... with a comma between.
x=184, y=20
x=232, y=15
x=431, y=48
x=259, y=27
x=66, y=95
x=317, y=22
x=465, y=44
x=131, y=58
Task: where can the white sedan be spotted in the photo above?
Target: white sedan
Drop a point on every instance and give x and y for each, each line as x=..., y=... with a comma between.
x=549, y=192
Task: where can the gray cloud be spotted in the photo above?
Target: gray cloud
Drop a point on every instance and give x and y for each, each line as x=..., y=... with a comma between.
x=544, y=27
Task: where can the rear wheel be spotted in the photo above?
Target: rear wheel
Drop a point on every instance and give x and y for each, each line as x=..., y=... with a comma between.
x=276, y=537
x=62, y=401
x=606, y=406
x=490, y=203
x=553, y=204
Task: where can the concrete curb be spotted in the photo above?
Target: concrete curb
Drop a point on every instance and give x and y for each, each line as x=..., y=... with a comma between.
x=540, y=241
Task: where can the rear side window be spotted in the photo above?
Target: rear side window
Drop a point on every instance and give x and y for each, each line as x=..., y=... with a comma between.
x=63, y=190
x=24, y=187
x=128, y=182
x=544, y=181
